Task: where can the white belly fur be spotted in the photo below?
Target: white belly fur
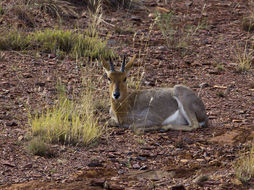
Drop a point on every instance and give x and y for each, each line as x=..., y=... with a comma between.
x=179, y=117
x=175, y=118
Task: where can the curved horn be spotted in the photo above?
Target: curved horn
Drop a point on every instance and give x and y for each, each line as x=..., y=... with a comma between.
x=123, y=64
x=111, y=65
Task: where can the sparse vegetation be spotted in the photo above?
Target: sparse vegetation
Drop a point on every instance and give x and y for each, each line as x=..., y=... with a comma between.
x=219, y=67
x=14, y=40
x=165, y=22
x=1, y=10
x=135, y=81
x=244, y=168
x=118, y=4
x=252, y=85
x=55, y=8
x=28, y=11
x=177, y=35
x=243, y=57
x=248, y=21
x=25, y=14
x=56, y=40
x=68, y=123
x=37, y=146
x=221, y=94
x=38, y=46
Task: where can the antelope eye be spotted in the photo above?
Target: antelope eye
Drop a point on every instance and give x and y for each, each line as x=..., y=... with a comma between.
x=109, y=79
x=124, y=80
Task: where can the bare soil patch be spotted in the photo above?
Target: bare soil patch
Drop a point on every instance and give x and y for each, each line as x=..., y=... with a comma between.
x=123, y=159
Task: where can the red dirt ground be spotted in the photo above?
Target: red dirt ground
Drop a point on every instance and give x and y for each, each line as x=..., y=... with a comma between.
x=122, y=159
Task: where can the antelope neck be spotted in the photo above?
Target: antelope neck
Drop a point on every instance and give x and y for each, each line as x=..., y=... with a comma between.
x=120, y=106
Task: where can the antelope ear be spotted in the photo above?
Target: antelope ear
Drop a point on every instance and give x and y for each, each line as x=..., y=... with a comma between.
x=106, y=66
x=130, y=64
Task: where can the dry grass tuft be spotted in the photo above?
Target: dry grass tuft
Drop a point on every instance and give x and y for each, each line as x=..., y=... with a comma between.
x=244, y=57
x=244, y=168
x=37, y=146
x=248, y=21
x=68, y=123
x=56, y=40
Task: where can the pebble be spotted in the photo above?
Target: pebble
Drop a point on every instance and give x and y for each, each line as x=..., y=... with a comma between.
x=178, y=187
x=201, y=179
x=136, y=166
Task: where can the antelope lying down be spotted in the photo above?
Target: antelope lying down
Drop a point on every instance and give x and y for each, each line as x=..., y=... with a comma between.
x=175, y=108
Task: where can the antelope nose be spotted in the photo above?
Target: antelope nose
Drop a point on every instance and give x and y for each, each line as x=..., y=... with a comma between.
x=116, y=95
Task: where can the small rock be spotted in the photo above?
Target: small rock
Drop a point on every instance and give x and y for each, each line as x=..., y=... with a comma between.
x=114, y=186
x=95, y=163
x=149, y=83
x=196, y=63
x=3, y=97
x=184, y=161
x=151, y=15
x=83, y=15
x=129, y=153
x=62, y=149
x=111, y=42
x=98, y=182
x=110, y=155
x=11, y=123
x=113, y=19
x=7, y=163
x=155, y=175
x=147, y=147
x=20, y=138
x=205, y=42
x=178, y=187
x=27, y=75
x=188, y=62
x=204, y=85
x=214, y=72
x=51, y=56
x=200, y=160
x=162, y=48
x=162, y=10
x=188, y=3
x=136, y=166
x=105, y=185
x=27, y=166
x=200, y=179
x=41, y=84
x=141, y=158
x=135, y=18
x=143, y=167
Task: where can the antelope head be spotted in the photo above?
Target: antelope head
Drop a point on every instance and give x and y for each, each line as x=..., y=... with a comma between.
x=117, y=79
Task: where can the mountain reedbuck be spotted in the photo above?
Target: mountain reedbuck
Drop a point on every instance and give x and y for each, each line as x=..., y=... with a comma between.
x=176, y=108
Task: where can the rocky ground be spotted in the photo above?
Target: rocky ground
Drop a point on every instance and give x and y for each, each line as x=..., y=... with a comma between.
x=201, y=159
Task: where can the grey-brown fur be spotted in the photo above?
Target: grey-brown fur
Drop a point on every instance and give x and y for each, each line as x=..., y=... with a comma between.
x=149, y=109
